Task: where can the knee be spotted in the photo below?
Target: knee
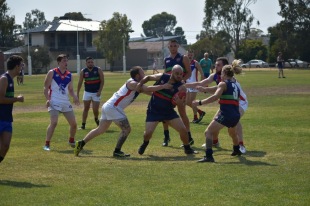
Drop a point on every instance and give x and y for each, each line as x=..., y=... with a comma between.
x=127, y=131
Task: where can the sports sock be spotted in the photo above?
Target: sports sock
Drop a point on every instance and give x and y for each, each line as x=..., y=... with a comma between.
x=166, y=133
x=1, y=158
x=236, y=147
x=71, y=139
x=189, y=136
x=117, y=150
x=209, y=152
x=195, y=116
x=215, y=141
x=83, y=124
x=241, y=143
x=47, y=143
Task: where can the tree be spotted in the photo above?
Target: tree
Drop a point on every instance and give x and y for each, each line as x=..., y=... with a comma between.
x=179, y=32
x=110, y=36
x=7, y=27
x=40, y=58
x=252, y=49
x=232, y=16
x=76, y=16
x=166, y=22
x=34, y=19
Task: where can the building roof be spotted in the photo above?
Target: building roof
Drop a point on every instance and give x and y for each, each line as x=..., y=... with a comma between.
x=16, y=50
x=66, y=25
x=151, y=47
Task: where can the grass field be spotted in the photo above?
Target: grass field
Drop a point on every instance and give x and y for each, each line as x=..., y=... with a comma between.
x=275, y=170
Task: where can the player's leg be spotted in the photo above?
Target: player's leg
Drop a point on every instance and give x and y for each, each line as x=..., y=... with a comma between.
x=166, y=134
x=70, y=117
x=148, y=132
x=51, y=128
x=213, y=129
x=185, y=120
x=125, y=131
x=5, y=141
x=179, y=126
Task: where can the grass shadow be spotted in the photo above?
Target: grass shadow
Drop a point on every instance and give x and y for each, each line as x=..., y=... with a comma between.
x=20, y=184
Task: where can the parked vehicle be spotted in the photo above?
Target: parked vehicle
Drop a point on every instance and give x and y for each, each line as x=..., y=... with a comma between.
x=255, y=63
x=290, y=63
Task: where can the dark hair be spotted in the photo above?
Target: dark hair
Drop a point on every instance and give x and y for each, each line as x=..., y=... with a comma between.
x=134, y=71
x=173, y=41
x=61, y=56
x=223, y=59
x=14, y=61
x=88, y=58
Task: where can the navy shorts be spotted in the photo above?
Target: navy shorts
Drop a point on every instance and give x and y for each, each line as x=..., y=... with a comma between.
x=228, y=120
x=5, y=126
x=159, y=117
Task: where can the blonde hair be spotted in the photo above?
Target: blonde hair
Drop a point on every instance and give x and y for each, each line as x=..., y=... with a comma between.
x=232, y=69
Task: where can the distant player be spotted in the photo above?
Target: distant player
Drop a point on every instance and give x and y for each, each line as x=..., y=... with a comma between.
x=93, y=85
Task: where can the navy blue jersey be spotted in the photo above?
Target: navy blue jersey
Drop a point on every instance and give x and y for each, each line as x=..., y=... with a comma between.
x=229, y=115
x=160, y=102
x=6, y=109
x=91, y=79
x=170, y=62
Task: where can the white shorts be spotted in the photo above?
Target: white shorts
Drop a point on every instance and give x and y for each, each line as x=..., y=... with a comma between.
x=110, y=112
x=87, y=96
x=192, y=90
x=243, y=105
x=60, y=106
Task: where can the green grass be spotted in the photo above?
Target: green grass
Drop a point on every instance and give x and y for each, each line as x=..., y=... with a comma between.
x=275, y=170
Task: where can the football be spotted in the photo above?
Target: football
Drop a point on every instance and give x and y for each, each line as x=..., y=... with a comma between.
x=180, y=94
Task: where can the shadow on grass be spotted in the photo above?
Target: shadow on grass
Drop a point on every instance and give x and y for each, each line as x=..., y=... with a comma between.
x=84, y=152
x=20, y=184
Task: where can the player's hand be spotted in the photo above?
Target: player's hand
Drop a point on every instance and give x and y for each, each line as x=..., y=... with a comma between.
x=20, y=98
x=195, y=103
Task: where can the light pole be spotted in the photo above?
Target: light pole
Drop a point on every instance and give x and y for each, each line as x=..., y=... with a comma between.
x=124, y=51
x=78, y=63
x=29, y=57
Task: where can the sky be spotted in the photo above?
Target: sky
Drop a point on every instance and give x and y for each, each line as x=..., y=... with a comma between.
x=189, y=14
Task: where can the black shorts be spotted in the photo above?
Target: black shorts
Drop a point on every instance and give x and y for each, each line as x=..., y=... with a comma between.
x=228, y=120
x=159, y=117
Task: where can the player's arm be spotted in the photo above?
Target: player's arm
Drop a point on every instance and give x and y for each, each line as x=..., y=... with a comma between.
x=197, y=65
x=101, y=76
x=80, y=84
x=47, y=84
x=219, y=91
x=202, y=83
x=71, y=92
x=154, y=77
x=187, y=67
x=3, y=98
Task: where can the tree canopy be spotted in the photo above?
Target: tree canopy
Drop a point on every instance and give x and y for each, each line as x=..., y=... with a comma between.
x=7, y=27
x=231, y=16
x=110, y=36
x=34, y=19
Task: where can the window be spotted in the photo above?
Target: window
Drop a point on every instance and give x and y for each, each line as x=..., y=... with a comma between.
x=89, y=39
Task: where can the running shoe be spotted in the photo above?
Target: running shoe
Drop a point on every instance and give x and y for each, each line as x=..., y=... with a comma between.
x=166, y=141
x=78, y=148
x=46, y=148
x=242, y=149
x=206, y=159
x=120, y=154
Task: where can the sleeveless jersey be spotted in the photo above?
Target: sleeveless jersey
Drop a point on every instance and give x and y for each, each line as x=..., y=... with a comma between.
x=124, y=96
x=6, y=109
x=59, y=87
x=217, y=78
x=161, y=100
x=229, y=101
x=170, y=62
x=194, y=76
x=91, y=80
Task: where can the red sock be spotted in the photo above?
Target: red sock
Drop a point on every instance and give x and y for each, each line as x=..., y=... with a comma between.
x=199, y=111
x=47, y=143
x=215, y=141
x=71, y=139
x=195, y=116
x=241, y=143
